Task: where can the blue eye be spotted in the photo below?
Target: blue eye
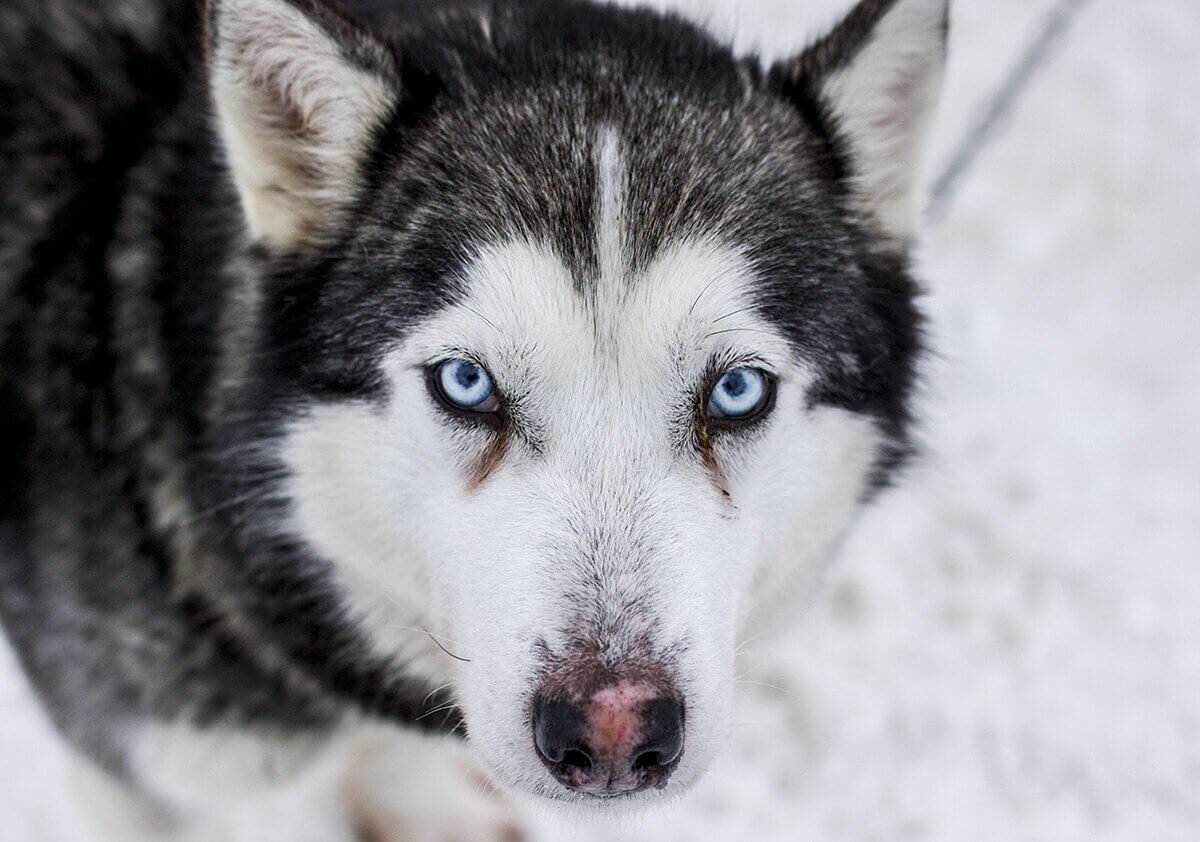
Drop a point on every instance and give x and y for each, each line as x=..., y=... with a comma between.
x=740, y=394
x=465, y=385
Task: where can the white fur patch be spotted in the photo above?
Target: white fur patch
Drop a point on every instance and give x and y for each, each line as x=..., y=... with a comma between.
x=610, y=227
x=601, y=515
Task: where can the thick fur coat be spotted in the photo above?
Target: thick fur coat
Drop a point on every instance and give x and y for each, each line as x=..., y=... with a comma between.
x=238, y=241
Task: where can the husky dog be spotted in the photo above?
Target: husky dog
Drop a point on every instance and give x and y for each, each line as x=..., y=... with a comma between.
x=485, y=367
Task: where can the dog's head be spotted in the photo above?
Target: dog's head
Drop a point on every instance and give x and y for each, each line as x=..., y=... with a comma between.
x=571, y=342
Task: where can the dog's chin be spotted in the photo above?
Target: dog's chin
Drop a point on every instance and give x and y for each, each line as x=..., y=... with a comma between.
x=549, y=795
x=532, y=785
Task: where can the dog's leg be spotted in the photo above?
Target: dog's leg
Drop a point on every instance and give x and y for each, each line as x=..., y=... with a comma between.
x=373, y=784
x=221, y=785
x=403, y=787
x=114, y=811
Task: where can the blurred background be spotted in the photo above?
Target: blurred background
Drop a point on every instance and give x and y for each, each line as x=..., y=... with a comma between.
x=1009, y=648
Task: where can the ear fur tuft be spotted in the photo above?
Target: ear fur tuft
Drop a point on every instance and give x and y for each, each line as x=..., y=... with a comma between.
x=299, y=92
x=876, y=77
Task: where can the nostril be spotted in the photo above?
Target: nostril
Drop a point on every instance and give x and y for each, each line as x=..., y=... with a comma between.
x=558, y=733
x=577, y=758
x=662, y=735
x=648, y=760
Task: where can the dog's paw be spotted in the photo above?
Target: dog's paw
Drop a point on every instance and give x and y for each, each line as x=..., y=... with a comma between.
x=405, y=788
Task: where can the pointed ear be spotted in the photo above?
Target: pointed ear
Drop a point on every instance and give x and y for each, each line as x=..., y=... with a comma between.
x=300, y=93
x=870, y=85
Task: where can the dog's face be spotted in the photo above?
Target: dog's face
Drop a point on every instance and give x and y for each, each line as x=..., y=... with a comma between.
x=585, y=341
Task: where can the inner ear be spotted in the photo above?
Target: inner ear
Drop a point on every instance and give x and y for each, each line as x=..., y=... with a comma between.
x=869, y=87
x=300, y=93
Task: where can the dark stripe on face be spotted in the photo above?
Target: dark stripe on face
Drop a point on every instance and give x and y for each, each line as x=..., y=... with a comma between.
x=489, y=460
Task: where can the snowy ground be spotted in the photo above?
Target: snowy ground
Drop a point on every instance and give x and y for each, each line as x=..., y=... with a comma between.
x=1010, y=647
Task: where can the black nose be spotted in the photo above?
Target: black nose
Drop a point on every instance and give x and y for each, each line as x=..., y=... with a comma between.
x=558, y=728
x=662, y=734
x=618, y=742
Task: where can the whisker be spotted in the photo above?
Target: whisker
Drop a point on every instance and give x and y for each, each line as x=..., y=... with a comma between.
x=227, y=504
x=434, y=691
x=447, y=651
x=711, y=334
x=737, y=312
x=747, y=642
x=438, y=644
x=486, y=786
x=488, y=321
x=703, y=292
x=439, y=709
x=774, y=687
x=434, y=637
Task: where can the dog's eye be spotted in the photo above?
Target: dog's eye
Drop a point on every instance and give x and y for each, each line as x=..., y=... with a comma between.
x=464, y=385
x=740, y=394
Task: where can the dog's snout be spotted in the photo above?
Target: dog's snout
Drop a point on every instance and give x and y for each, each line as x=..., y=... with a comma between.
x=623, y=738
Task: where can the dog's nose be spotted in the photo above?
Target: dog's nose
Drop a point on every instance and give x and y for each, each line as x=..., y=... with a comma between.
x=624, y=738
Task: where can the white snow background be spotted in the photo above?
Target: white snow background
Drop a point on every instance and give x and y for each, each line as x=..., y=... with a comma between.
x=1009, y=647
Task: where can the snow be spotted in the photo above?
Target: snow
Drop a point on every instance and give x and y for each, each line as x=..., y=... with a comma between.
x=1009, y=648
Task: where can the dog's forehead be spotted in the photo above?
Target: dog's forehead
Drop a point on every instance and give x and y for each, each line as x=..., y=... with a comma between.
x=522, y=301
x=520, y=298
x=688, y=160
